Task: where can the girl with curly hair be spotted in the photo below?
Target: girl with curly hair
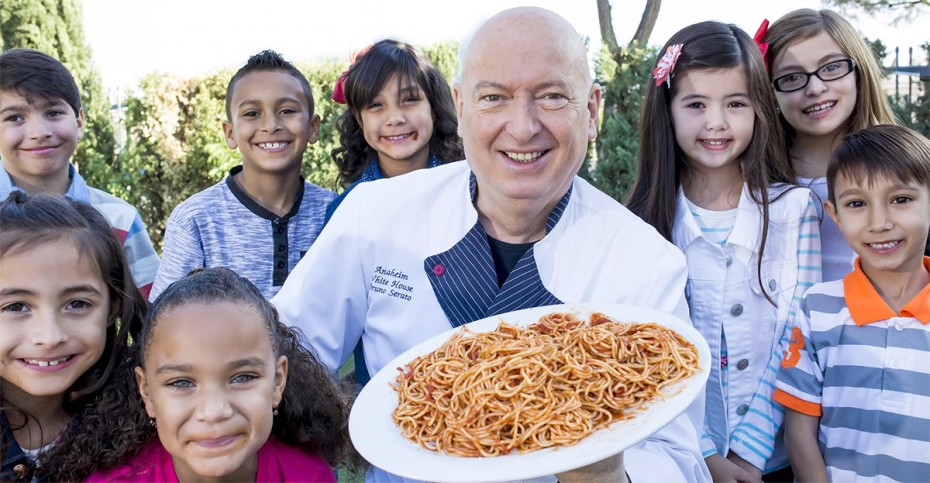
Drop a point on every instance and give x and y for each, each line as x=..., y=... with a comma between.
x=67, y=306
x=217, y=388
x=399, y=116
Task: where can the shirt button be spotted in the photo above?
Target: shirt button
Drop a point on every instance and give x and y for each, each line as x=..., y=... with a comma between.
x=281, y=248
x=439, y=269
x=899, y=326
x=736, y=310
x=728, y=259
x=742, y=409
x=772, y=284
x=742, y=364
x=280, y=264
x=892, y=364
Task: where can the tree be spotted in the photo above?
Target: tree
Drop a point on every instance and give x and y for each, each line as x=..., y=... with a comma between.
x=56, y=28
x=622, y=72
x=445, y=56
x=646, y=23
x=901, y=9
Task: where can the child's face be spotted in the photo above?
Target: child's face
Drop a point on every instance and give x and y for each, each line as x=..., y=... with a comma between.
x=398, y=124
x=886, y=223
x=211, y=381
x=820, y=108
x=271, y=122
x=37, y=141
x=54, y=307
x=713, y=118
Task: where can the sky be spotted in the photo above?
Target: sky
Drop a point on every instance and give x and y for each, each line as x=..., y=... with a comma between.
x=131, y=38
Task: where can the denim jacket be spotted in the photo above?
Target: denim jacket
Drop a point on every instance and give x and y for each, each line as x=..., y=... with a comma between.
x=16, y=464
x=745, y=332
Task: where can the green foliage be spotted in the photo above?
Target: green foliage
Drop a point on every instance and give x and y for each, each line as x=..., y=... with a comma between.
x=878, y=48
x=445, y=56
x=624, y=85
x=56, y=28
x=176, y=145
x=318, y=163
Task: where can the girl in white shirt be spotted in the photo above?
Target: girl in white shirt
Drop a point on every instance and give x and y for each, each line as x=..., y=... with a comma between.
x=722, y=193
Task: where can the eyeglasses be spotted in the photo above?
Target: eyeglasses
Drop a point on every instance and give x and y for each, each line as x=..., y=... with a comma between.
x=827, y=72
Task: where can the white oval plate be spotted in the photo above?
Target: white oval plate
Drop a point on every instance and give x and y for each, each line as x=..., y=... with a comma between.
x=379, y=440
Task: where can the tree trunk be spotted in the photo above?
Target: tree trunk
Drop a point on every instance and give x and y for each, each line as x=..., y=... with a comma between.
x=607, y=28
x=646, y=23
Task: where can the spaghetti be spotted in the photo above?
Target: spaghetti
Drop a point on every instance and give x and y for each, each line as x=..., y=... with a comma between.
x=552, y=383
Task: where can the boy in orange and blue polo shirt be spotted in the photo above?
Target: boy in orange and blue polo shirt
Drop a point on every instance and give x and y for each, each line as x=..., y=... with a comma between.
x=855, y=381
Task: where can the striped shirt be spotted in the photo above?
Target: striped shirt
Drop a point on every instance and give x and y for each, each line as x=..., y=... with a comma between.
x=863, y=369
x=837, y=255
x=223, y=227
x=715, y=225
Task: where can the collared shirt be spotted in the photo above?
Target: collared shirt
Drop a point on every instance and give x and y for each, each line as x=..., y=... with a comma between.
x=223, y=227
x=744, y=330
x=123, y=217
x=863, y=369
x=394, y=277
x=371, y=172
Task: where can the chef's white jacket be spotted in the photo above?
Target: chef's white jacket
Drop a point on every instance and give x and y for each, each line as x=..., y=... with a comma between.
x=404, y=259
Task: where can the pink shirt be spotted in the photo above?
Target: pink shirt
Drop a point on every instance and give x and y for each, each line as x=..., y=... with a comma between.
x=276, y=462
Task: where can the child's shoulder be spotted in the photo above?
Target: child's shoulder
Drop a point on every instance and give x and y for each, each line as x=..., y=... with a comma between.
x=788, y=203
x=315, y=195
x=278, y=461
x=119, y=212
x=205, y=201
x=825, y=298
x=789, y=194
x=151, y=464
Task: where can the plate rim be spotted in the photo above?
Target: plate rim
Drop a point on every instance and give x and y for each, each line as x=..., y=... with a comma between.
x=494, y=465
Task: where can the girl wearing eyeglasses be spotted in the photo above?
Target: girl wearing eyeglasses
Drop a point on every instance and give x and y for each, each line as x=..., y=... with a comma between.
x=827, y=84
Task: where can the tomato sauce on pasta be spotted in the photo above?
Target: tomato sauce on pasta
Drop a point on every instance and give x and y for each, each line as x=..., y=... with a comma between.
x=552, y=383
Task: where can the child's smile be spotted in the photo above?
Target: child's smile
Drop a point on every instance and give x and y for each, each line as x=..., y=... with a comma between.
x=398, y=124
x=270, y=122
x=211, y=380
x=885, y=222
x=53, y=317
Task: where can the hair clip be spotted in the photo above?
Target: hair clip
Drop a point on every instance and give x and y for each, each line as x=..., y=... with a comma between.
x=763, y=46
x=339, y=94
x=663, y=70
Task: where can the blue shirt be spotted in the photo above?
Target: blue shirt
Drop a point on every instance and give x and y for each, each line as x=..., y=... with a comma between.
x=371, y=173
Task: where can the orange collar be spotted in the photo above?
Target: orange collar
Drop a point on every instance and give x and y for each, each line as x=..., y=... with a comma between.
x=867, y=306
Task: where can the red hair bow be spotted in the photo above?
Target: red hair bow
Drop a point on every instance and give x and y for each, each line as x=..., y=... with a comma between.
x=339, y=94
x=760, y=35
